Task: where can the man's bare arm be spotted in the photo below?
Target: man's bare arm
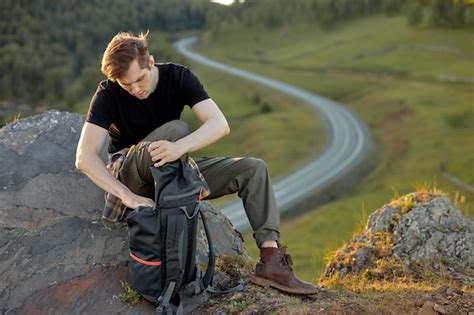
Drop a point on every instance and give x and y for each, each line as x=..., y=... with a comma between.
x=89, y=162
x=214, y=126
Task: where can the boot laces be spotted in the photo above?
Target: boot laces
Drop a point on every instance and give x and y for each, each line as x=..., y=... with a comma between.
x=285, y=259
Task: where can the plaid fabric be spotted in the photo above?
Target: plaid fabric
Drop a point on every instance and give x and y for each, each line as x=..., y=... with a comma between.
x=114, y=209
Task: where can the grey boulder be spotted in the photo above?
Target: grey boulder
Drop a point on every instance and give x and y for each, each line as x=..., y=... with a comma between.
x=56, y=256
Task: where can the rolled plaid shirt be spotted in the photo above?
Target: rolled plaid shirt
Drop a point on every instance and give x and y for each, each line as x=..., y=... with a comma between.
x=114, y=209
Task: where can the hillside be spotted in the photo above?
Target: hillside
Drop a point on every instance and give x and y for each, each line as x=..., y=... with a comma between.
x=403, y=262
x=412, y=86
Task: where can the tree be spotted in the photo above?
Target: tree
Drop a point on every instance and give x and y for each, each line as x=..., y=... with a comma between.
x=415, y=14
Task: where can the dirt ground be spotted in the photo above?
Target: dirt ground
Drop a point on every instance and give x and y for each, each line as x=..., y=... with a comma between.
x=259, y=300
x=386, y=299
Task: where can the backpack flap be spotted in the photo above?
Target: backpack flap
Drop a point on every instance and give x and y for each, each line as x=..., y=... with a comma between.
x=176, y=184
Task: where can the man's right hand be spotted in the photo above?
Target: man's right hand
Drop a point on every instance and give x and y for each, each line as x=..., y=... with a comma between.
x=134, y=201
x=89, y=162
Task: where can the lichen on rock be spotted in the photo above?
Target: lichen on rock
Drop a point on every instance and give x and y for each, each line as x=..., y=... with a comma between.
x=419, y=235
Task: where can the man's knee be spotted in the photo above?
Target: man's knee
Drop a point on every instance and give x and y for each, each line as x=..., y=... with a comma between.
x=178, y=128
x=258, y=166
x=171, y=131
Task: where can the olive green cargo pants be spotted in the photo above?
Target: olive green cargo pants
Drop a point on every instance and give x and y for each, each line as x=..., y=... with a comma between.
x=248, y=177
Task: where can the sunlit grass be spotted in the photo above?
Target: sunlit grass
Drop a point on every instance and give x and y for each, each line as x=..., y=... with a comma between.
x=264, y=123
x=389, y=74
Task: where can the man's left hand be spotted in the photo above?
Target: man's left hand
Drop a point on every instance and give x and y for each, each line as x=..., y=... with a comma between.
x=164, y=151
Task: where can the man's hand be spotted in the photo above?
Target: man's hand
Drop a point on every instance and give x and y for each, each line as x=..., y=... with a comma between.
x=165, y=151
x=134, y=201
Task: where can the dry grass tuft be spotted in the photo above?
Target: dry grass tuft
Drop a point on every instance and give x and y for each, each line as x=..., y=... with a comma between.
x=369, y=256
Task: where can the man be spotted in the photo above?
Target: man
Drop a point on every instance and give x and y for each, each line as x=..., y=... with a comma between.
x=139, y=106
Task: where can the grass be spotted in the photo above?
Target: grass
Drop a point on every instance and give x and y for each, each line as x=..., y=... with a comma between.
x=129, y=296
x=377, y=247
x=264, y=124
x=353, y=294
x=391, y=75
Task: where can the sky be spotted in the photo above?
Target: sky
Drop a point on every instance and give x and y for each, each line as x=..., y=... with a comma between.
x=226, y=2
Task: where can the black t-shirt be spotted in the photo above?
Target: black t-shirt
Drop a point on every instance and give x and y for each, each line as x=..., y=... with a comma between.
x=129, y=119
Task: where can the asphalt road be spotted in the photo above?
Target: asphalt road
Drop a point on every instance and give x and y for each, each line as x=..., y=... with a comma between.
x=349, y=142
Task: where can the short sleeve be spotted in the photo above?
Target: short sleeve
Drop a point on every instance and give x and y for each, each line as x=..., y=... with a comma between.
x=99, y=110
x=191, y=88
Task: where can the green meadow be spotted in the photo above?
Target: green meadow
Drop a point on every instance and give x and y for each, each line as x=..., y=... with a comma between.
x=413, y=87
x=264, y=123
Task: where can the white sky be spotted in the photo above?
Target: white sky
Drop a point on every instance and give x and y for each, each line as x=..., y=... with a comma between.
x=226, y=2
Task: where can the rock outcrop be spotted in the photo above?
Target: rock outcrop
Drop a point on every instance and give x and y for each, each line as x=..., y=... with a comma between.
x=55, y=254
x=420, y=235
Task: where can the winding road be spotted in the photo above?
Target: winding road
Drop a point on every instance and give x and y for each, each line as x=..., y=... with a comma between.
x=349, y=142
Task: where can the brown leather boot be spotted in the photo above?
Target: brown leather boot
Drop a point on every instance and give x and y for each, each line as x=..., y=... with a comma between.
x=274, y=270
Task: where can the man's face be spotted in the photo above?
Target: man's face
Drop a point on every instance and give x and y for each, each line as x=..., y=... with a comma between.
x=138, y=82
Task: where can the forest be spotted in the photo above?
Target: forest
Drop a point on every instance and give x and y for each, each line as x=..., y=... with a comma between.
x=50, y=50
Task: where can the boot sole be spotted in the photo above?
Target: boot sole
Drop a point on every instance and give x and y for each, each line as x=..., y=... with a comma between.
x=269, y=283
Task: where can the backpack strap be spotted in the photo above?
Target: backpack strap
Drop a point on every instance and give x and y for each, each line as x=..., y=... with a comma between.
x=209, y=274
x=204, y=283
x=224, y=289
x=164, y=304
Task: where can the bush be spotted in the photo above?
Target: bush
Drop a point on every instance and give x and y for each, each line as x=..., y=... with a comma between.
x=415, y=14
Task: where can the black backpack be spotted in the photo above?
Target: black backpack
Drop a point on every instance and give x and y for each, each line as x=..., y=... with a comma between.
x=163, y=238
